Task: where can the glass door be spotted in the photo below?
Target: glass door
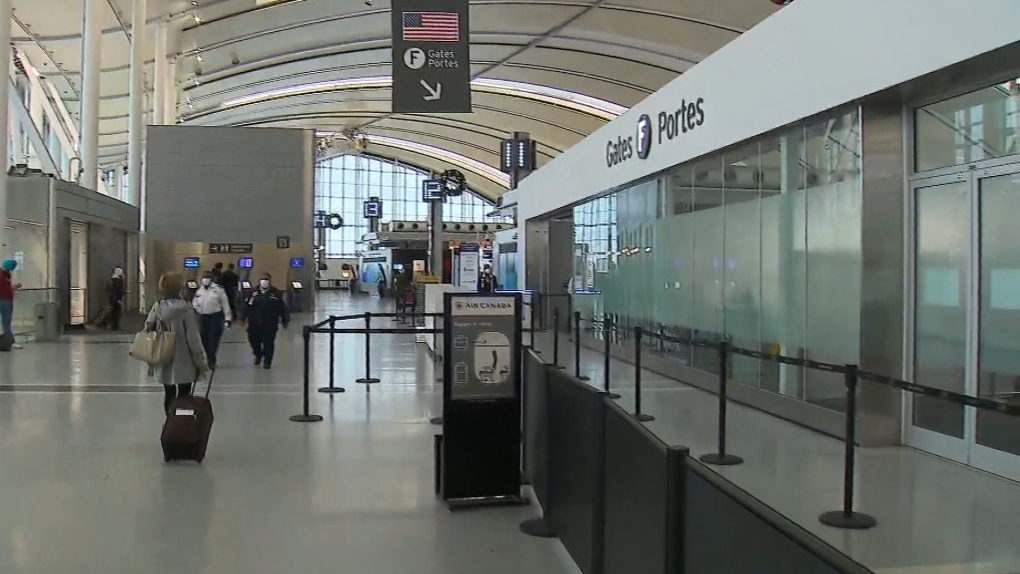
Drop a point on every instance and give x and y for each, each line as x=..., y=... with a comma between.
x=941, y=312
x=966, y=315
x=996, y=437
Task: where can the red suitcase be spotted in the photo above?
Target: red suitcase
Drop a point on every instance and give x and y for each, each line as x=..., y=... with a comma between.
x=188, y=424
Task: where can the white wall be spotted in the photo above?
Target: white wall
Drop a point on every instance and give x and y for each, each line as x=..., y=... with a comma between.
x=811, y=56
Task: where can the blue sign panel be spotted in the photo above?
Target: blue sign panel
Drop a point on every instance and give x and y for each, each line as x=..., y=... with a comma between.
x=245, y=262
x=297, y=262
x=192, y=263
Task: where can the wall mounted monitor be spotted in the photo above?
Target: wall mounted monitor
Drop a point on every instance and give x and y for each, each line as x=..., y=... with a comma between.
x=192, y=262
x=297, y=262
x=245, y=262
x=372, y=209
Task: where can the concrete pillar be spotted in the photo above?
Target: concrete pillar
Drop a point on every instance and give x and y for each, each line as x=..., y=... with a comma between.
x=88, y=145
x=136, y=114
x=118, y=182
x=159, y=73
x=437, y=245
x=5, y=94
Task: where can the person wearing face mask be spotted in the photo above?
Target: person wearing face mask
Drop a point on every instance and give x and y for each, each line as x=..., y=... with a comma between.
x=214, y=315
x=265, y=311
x=115, y=297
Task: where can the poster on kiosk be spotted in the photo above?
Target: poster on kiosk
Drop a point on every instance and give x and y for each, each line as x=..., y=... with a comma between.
x=468, y=265
x=481, y=448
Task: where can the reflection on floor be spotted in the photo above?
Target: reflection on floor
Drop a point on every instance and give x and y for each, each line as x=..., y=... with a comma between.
x=84, y=487
x=934, y=516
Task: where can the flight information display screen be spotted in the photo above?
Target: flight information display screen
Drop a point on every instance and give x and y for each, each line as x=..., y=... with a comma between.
x=192, y=263
x=245, y=262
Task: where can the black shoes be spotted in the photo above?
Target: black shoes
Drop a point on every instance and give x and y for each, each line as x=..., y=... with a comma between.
x=258, y=360
x=266, y=366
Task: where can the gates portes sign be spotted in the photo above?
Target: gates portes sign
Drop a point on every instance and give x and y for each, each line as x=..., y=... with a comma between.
x=431, y=56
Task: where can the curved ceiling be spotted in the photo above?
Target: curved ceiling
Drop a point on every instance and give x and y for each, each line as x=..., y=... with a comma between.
x=557, y=69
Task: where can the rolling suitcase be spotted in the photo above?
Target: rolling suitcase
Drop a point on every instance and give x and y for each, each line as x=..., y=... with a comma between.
x=188, y=424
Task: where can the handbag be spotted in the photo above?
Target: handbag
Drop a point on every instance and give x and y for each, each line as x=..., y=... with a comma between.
x=154, y=347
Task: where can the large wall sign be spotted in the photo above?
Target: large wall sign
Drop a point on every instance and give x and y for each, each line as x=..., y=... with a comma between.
x=651, y=132
x=431, y=56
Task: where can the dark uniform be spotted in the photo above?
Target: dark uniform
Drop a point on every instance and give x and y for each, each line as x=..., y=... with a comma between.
x=265, y=311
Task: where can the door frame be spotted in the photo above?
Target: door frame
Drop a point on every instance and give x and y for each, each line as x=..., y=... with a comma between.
x=965, y=450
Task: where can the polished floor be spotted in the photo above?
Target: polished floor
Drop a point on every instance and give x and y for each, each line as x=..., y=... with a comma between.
x=934, y=516
x=83, y=487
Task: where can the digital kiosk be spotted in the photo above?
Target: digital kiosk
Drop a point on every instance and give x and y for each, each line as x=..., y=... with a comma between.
x=191, y=267
x=245, y=264
x=294, y=287
x=480, y=453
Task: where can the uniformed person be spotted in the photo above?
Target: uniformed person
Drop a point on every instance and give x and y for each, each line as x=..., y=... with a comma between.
x=264, y=311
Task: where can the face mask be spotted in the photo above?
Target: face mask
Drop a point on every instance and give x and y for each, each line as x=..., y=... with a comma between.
x=264, y=283
x=206, y=281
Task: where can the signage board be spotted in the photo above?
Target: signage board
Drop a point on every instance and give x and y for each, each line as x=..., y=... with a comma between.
x=297, y=262
x=431, y=56
x=283, y=242
x=481, y=399
x=431, y=190
x=372, y=209
x=245, y=262
x=192, y=263
x=234, y=248
x=468, y=264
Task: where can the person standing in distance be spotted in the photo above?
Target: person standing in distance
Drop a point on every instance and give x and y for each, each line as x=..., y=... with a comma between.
x=265, y=311
x=7, y=289
x=214, y=316
x=229, y=281
x=115, y=297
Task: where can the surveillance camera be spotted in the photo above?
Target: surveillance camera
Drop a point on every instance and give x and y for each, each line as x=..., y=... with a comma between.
x=235, y=60
x=368, y=2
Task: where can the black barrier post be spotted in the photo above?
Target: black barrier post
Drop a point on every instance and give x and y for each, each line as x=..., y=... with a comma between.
x=556, y=339
x=305, y=416
x=332, y=360
x=577, y=348
x=720, y=457
x=607, y=324
x=368, y=380
x=847, y=518
x=641, y=417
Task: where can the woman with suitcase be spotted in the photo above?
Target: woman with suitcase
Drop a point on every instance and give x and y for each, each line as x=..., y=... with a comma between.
x=178, y=317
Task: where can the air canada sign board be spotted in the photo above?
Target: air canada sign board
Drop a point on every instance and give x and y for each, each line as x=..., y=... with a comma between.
x=667, y=126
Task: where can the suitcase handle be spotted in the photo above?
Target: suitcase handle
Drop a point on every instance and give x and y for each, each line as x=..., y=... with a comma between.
x=208, y=386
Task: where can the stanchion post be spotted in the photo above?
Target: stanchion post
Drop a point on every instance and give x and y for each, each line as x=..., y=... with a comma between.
x=721, y=457
x=556, y=339
x=306, y=416
x=532, y=319
x=607, y=326
x=368, y=379
x=640, y=416
x=846, y=517
x=332, y=360
x=577, y=348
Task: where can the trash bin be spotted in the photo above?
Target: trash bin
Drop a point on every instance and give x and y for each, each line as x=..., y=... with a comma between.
x=47, y=322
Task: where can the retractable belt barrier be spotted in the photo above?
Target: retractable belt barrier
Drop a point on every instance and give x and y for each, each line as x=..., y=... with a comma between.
x=328, y=326
x=846, y=517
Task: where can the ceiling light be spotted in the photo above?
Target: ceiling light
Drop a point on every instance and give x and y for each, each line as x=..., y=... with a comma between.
x=457, y=160
x=197, y=18
x=194, y=2
x=563, y=98
x=199, y=58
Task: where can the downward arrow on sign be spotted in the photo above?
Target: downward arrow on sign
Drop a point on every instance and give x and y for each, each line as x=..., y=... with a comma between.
x=433, y=93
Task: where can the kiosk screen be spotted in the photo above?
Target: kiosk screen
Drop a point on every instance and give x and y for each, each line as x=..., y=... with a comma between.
x=245, y=262
x=297, y=262
x=295, y=285
x=192, y=263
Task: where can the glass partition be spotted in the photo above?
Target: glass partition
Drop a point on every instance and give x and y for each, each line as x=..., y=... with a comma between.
x=758, y=245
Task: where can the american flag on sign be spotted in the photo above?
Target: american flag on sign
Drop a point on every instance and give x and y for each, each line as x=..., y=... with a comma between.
x=432, y=26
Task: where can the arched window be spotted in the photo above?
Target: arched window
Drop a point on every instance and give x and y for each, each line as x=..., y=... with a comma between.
x=344, y=182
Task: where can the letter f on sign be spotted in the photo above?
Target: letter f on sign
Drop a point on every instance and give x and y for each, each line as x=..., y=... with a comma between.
x=644, y=136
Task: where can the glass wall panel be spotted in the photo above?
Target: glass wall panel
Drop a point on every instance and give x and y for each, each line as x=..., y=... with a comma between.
x=757, y=245
x=344, y=182
x=968, y=128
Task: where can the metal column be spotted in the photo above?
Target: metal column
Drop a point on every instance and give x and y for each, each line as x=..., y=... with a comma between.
x=5, y=94
x=88, y=145
x=436, y=244
x=159, y=72
x=136, y=115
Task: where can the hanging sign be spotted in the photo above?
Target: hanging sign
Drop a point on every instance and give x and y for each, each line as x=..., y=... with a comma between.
x=431, y=56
